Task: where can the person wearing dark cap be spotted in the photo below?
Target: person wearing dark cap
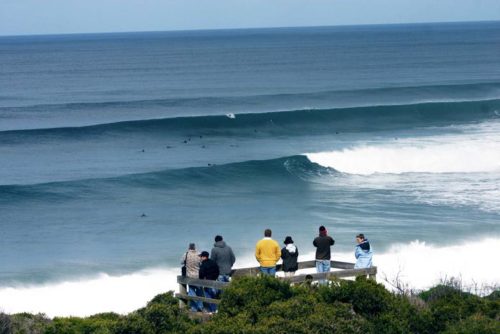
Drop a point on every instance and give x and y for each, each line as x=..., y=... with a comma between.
x=289, y=254
x=191, y=261
x=209, y=270
x=363, y=252
x=223, y=255
x=323, y=242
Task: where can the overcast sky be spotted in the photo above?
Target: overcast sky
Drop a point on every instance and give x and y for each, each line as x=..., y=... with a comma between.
x=20, y=17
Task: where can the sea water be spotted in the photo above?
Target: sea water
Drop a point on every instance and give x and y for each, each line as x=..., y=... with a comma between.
x=117, y=150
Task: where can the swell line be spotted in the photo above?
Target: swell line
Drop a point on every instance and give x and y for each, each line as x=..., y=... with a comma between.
x=292, y=122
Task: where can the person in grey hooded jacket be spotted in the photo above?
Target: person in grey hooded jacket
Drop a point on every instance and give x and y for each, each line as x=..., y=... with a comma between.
x=223, y=255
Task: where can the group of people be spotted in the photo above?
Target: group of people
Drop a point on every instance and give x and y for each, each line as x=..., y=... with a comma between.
x=268, y=253
x=218, y=264
x=214, y=266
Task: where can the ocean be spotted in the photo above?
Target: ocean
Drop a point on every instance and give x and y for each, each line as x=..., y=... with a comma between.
x=118, y=150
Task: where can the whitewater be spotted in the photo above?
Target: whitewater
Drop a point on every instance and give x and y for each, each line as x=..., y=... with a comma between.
x=409, y=264
x=118, y=150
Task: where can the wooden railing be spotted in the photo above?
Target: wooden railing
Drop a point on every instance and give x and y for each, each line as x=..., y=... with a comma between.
x=346, y=270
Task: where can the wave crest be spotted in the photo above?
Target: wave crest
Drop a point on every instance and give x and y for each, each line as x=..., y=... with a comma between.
x=456, y=157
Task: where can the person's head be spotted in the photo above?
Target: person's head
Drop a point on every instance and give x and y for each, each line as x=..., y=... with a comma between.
x=192, y=246
x=268, y=233
x=360, y=238
x=322, y=230
x=204, y=255
x=218, y=238
x=288, y=240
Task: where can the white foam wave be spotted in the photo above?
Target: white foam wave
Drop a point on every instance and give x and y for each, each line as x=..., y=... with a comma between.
x=104, y=293
x=461, y=157
x=475, y=149
x=417, y=263
x=421, y=265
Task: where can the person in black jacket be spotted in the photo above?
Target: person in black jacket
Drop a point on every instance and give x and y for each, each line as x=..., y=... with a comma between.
x=289, y=254
x=209, y=270
x=323, y=242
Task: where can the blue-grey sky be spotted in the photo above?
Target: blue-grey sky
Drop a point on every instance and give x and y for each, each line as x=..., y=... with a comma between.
x=19, y=17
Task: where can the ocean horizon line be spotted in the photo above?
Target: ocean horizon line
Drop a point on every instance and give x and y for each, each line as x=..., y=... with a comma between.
x=228, y=29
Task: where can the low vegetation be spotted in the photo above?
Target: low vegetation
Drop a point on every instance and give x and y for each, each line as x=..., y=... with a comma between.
x=268, y=305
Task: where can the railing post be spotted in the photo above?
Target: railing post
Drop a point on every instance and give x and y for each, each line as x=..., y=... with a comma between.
x=183, y=291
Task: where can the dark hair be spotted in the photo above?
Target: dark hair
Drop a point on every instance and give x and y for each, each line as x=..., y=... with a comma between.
x=322, y=228
x=218, y=238
x=361, y=236
x=268, y=232
x=192, y=246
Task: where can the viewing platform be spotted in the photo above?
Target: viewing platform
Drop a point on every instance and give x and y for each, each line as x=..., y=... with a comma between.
x=344, y=270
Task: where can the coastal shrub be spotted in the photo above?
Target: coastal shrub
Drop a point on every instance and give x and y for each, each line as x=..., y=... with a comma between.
x=404, y=315
x=494, y=296
x=367, y=297
x=475, y=324
x=281, y=308
x=224, y=324
x=101, y=323
x=28, y=323
x=251, y=294
x=5, y=324
x=262, y=305
x=161, y=315
x=166, y=298
x=449, y=305
x=132, y=323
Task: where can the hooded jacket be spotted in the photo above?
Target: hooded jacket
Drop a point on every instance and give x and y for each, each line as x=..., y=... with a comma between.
x=223, y=255
x=290, y=254
x=363, y=254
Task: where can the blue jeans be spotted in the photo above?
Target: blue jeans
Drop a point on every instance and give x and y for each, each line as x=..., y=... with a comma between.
x=196, y=305
x=222, y=278
x=322, y=266
x=268, y=270
x=211, y=293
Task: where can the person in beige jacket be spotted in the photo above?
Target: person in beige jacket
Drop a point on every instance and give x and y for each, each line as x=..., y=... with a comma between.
x=267, y=252
x=191, y=260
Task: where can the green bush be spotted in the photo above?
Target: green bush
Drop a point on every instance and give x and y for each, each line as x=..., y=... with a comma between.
x=251, y=294
x=476, y=324
x=5, y=324
x=262, y=305
x=74, y=325
x=450, y=306
x=133, y=323
x=28, y=323
x=367, y=297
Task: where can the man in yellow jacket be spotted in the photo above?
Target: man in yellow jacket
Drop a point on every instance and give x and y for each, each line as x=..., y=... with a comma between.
x=267, y=252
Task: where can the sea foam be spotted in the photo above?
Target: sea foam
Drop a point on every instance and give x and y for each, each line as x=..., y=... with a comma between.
x=477, y=150
x=417, y=264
